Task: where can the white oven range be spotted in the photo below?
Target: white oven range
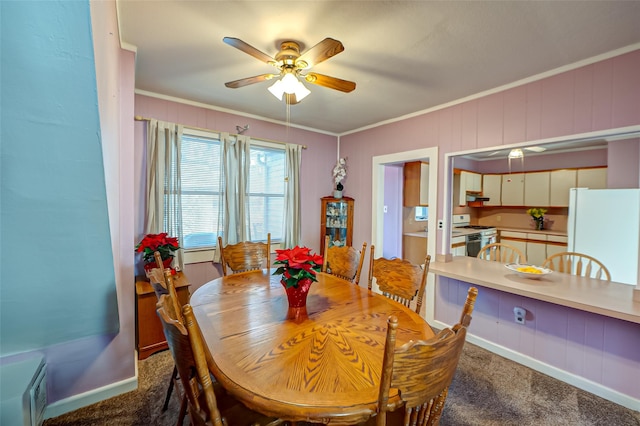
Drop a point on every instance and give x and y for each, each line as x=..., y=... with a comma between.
x=476, y=236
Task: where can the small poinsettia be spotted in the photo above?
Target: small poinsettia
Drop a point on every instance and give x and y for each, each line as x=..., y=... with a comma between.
x=157, y=242
x=297, y=264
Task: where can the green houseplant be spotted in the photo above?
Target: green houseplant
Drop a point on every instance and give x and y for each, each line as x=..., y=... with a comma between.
x=537, y=213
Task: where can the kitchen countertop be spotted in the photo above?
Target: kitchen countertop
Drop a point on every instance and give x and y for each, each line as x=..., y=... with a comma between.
x=421, y=234
x=598, y=296
x=534, y=231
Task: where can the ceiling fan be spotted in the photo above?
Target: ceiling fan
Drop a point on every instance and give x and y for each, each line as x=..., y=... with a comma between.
x=518, y=152
x=291, y=65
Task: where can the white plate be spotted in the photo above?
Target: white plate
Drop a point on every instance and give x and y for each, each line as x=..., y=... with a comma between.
x=515, y=266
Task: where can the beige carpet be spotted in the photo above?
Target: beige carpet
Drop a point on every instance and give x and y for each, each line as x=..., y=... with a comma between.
x=487, y=390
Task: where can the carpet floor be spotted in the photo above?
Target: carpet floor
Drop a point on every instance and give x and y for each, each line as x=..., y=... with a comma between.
x=487, y=390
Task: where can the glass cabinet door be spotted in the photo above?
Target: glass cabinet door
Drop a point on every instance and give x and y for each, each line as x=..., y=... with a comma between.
x=336, y=220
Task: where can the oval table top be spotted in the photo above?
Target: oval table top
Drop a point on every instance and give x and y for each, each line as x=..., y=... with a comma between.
x=321, y=367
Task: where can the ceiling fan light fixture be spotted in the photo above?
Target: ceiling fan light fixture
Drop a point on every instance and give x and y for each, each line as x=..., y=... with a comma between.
x=291, y=85
x=516, y=153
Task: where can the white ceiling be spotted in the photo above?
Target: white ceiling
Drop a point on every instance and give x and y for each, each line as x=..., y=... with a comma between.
x=405, y=56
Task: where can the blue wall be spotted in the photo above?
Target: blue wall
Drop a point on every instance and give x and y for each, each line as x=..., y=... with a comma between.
x=57, y=280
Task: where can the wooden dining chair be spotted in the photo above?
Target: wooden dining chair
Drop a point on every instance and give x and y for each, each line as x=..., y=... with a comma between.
x=344, y=262
x=422, y=370
x=244, y=256
x=162, y=282
x=206, y=404
x=570, y=262
x=500, y=252
x=399, y=279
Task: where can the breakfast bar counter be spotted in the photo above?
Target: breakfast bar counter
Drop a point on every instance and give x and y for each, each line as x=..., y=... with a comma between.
x=607, y=298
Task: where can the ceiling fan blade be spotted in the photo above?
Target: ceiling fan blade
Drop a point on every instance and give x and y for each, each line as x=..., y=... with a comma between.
x=247, y=48
x=249, y=80
x=330, y=82
x=319, y=53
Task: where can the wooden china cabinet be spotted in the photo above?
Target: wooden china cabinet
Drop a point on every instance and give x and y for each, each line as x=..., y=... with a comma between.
x=336, y=220
x=149, y=334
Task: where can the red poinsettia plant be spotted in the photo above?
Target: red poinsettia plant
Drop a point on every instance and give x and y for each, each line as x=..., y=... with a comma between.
x=157, y=242
x=297, y=264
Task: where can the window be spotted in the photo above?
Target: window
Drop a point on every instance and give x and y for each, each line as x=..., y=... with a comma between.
x=201, y=185
x=422, y=213
x=266, y=192
x=200, y=178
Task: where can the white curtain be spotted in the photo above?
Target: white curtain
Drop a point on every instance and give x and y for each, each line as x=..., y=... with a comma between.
x=235, y=165
x=164, y=210
x=292, y=210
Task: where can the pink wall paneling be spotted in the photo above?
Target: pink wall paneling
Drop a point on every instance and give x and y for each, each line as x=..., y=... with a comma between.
x=597, y=348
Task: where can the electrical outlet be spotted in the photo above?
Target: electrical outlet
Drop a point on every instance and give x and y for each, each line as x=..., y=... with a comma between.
x=440, y=224
x=520, y=314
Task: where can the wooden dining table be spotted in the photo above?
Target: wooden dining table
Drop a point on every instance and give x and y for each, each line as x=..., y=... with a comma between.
x=321, y=365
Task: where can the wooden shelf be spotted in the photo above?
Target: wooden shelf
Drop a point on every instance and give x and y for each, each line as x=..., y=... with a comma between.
x=149, y=334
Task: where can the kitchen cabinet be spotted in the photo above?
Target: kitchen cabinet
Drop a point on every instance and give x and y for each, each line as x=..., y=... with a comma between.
x=336, y=221
x=595, y=178
x=536, y=189
x=537, y=247
x=556, y=244
x=492, y=189
x=515, y=239
x=513, y=189
x=416, y=184
x=560, y=182
x=414, y=249
x=459, y=246
x=469, y=182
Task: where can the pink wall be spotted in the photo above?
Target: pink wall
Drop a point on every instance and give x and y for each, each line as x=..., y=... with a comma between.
x=626, y=156
x=596, y=97
x=318, y=160
x=598, y=348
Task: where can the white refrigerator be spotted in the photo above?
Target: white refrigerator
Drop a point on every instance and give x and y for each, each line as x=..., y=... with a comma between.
x=605, y=224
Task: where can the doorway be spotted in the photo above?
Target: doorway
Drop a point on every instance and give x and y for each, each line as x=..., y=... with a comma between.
x=380, y=163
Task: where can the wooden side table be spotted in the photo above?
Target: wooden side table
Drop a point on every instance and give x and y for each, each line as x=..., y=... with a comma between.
x=149, y=334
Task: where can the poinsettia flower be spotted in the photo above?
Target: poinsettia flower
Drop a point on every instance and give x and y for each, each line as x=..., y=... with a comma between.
x=161, y=243
x=297, y=263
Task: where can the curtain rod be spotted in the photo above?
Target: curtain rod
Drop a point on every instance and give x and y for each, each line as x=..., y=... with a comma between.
x=140, y=118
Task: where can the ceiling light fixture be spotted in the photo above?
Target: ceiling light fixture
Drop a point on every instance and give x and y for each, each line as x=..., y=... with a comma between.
x=290, y=85
x=516, y=153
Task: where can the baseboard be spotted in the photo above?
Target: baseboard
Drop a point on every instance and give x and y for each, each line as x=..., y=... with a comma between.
x=85, y=399
x=555, y=372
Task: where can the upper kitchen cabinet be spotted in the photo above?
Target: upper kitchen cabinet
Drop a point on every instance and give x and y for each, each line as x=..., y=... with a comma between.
x=595, y=178
x=469, y=182
x=492, y=189
x=513, y=189
x=416, y=184
x=560, y=183
x=536, y=189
